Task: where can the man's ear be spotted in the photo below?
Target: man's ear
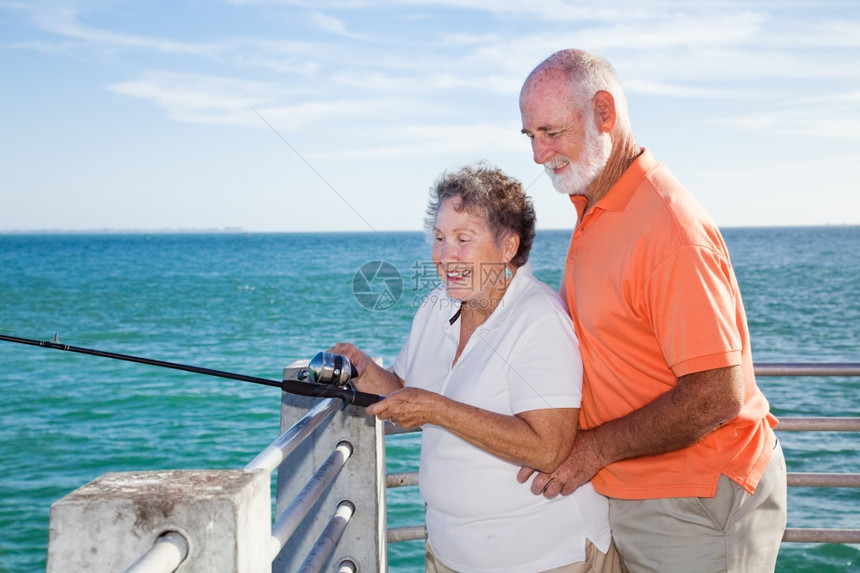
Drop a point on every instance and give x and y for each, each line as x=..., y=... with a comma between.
x=604, y=111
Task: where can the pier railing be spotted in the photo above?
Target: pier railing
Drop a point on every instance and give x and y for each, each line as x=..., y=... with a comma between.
x=330, y=463
x=786, y=424
x=817, y=424
x=330, y=510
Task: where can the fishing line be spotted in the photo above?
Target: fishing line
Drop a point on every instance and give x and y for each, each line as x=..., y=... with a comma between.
x=542, y=173
x=323, y=179
x=325, y=371
x=330, y=186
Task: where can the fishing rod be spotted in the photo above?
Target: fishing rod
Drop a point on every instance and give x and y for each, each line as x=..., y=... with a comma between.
x=326, y=376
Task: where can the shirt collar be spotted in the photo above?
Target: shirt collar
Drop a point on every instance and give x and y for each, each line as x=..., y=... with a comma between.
x=517, y=286
x=621, y=192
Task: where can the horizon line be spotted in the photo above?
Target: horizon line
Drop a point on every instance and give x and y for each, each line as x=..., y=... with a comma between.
x=241, y=231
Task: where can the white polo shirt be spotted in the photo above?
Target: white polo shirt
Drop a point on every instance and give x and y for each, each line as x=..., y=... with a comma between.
x=524, y=357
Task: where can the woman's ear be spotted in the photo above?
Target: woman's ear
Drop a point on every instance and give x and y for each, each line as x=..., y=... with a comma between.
x=510, y=246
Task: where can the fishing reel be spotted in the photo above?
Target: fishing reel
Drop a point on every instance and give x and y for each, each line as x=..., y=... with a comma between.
x=329, y=369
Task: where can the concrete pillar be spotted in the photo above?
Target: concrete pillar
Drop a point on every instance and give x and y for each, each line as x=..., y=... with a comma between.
x=106, y=525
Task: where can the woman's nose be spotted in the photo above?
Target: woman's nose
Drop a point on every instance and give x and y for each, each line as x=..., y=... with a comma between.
x=447, y=253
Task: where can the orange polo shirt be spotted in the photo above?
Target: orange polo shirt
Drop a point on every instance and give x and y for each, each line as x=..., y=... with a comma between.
x=654, y=297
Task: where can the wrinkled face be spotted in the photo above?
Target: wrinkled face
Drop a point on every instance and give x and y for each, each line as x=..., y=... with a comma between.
x=565, y=139
x=470, y=264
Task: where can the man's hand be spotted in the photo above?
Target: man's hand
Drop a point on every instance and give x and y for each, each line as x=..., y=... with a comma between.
x=674, y=420
x=580, y=466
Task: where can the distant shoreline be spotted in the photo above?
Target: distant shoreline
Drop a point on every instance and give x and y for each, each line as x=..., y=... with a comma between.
x=240, y=231
x=224, y=230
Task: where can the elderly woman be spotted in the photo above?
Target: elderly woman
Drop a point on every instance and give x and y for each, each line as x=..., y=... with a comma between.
x=492, y=372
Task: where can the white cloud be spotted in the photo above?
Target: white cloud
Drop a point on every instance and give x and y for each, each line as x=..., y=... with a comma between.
x=196, y=98
x=329, y=24
x=282, y=56
x=201, y=99
x=332, y=114
x=405, y=87
x=837, y=122
x=63, y=21
x=680, y=91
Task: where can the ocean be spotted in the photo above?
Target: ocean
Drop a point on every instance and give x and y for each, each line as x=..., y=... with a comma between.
x=253, y=303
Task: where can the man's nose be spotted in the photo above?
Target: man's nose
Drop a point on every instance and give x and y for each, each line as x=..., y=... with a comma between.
x=541, y=151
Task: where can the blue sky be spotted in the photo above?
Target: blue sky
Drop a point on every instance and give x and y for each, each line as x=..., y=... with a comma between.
x=339, y=115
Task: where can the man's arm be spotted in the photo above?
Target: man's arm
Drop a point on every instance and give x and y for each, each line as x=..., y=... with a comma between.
x=682, y=416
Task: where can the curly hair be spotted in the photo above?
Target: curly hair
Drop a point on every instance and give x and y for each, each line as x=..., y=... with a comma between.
x=485, y=191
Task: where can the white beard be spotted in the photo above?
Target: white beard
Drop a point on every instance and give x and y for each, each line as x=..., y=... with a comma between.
x=580, y=174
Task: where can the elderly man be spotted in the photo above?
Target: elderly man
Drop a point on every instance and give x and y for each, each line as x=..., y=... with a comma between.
x=674, y=429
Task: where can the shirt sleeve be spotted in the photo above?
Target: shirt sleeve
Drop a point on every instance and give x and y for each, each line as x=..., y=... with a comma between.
x=546, y=366
x=402, y=360
x=694, y=310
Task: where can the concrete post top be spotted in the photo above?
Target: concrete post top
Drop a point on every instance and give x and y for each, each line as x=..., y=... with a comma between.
x=201, y=484
x=107, y=524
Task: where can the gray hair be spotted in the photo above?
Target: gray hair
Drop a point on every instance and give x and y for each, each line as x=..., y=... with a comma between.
x=588, y=74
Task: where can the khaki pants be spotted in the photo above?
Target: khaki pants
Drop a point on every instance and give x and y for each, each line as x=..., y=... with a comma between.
x=733, y=532
x=595, y=562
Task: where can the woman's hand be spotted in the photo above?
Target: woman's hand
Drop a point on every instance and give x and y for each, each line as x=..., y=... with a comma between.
x=356, y=357
x=408, y=407
x=371, y=377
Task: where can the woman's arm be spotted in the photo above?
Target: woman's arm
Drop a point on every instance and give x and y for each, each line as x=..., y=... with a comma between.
x=536, y=438
x=371, y=376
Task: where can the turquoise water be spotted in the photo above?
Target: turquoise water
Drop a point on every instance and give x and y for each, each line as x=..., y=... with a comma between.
x=254, y=303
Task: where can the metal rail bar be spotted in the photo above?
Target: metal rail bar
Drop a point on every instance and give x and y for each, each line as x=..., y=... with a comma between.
x=328, y=538
x=289, y=521
x=393, y=430
x=403, y=479
x=807, y=369
x=804, y=535
x=795, y=479
x=165, y=556
x=823, y=480
x=276, y=453
x=408, y=533
x=818, y=425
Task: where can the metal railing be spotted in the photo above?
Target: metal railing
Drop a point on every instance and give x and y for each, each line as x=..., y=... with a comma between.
x=171, y=549
x=166, y=555
x=788, y=424
x=270, y=458
x=817, y=424
x=813, y=479
x=304, y=535
x=328, y=485
x=331, y=491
